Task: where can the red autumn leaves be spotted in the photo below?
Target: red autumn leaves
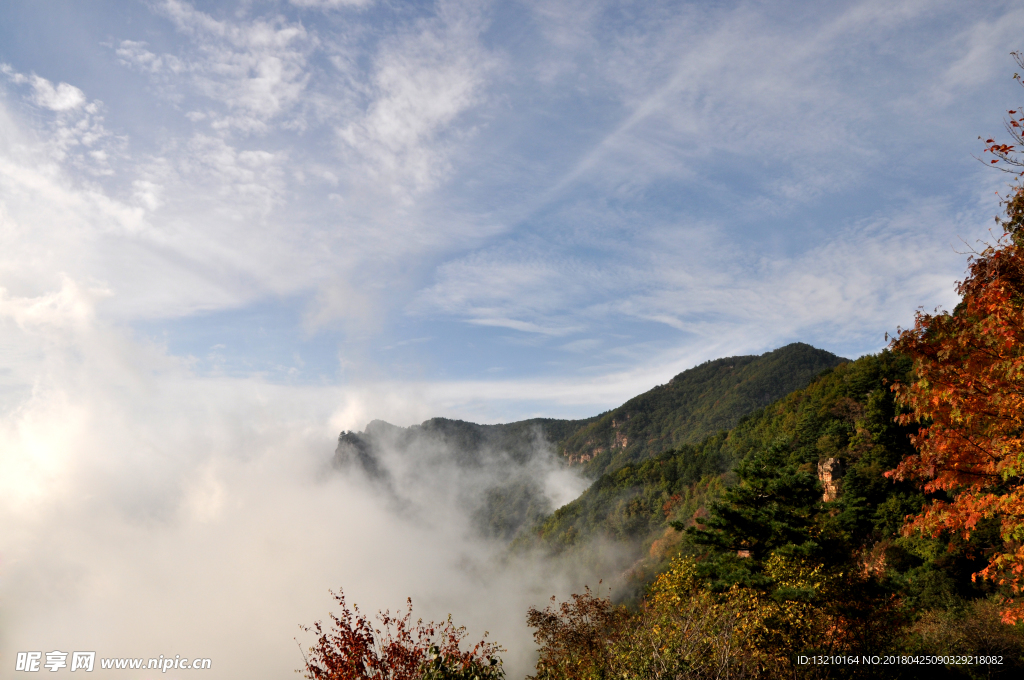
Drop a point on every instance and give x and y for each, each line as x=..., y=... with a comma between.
x=968, y=396
x=396, y=648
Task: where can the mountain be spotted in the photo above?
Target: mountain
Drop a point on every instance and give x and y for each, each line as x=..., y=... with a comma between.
x=504, y=471
x=790, y=514
x=469, y=442
x=503, y=476
x=696, y=403
x=843, y=421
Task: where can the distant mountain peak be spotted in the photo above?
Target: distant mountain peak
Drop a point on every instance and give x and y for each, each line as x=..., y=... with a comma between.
x=698, y=402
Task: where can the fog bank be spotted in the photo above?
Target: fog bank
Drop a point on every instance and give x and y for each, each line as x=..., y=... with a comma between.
x=148, y=511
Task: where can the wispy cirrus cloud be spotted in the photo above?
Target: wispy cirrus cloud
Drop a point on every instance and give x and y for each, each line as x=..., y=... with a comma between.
x=252, y=72
x=238, y=204
x=422, y=81
x=330, y=212
x=736, y=122
x=604, y=166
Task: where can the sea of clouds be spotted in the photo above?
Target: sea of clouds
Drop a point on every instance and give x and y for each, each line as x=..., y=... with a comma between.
x=744, y=176
x=149, y=511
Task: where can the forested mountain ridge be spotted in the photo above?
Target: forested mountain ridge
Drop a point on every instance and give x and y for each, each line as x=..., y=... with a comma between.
x=503, y=459
x=845, y=412
x=468, y=441
x=496, y=473
x=698, y=402
x=845, y=415
x=693, y=405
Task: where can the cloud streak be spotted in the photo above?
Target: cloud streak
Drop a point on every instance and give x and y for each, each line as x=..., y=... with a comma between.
x=488, y=211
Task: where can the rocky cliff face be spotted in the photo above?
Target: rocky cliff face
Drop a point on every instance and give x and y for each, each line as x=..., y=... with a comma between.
x=830, y=473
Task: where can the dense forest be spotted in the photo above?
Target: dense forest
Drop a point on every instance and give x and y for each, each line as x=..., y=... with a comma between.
x=696, y=403
x=510, y=498
x=780, y=538
x=813, y=518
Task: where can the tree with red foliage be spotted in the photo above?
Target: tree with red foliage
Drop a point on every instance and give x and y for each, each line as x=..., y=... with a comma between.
x=968, y=397
x=354, y=649
x=1009, y=154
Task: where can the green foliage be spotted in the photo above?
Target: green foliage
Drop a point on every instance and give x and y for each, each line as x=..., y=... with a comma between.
x=752, y=494
x=447, y=666
x=777, y=506
x=774, y=508
x=693, y=405
x=680, y=414
x=627, y=504
x=684, y=630
x=637, y=503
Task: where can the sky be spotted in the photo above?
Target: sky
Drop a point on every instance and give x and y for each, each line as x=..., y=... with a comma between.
x=498, y=205
x=230, y=230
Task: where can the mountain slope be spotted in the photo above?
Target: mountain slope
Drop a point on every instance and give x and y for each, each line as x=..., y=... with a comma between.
x=693, y=405
x=828, y=418
x=504, y=469
x=845, y=415
x=503, y=476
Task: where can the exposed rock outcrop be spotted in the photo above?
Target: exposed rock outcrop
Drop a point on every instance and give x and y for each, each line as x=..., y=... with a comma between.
x=830, y=472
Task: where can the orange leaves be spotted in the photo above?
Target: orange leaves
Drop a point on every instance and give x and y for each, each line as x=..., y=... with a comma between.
x=670, y=505
x=968, y=397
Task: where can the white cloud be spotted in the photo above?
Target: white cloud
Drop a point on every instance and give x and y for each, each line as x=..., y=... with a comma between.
x=73, y=133
x=422, y=81
x=242, y=194
x=980, y=50
x=844, y=292
x=523, y=326
x=800, y=104
x=134, y=53
x=60, y=97
x=70, y=306
x=252, y=72
x=207, y=508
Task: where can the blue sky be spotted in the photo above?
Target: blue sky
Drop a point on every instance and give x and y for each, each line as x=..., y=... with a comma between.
x=497, y=197
x=230, y=230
